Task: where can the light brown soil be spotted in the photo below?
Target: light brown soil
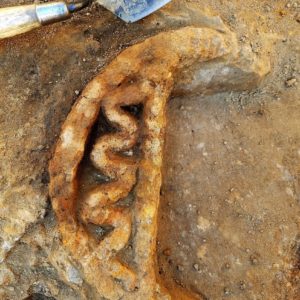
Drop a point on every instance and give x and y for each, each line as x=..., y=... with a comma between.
x=229, y=216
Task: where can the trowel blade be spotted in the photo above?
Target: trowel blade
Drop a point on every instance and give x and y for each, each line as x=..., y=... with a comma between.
x=132, y=10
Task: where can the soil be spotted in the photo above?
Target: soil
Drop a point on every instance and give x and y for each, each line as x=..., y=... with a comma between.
x=229, y=223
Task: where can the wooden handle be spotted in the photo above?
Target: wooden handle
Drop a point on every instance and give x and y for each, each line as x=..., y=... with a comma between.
x=17, y=20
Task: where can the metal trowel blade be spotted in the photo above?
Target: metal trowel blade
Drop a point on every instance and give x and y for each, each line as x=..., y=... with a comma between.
x=132, y=10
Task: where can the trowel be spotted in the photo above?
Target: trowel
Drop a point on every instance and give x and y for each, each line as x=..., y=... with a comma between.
x=19, y=19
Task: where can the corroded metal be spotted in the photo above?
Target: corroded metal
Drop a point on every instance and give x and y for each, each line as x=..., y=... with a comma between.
x=143, y=74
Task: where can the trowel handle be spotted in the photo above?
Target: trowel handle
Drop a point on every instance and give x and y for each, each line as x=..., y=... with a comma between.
x=20, y=19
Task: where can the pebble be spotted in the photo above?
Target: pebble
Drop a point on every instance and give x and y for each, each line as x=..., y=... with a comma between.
x=73, y=275
x=180, y=268
x=40, y=147
x=226, y=291
x=292, y=4
x=128, y=153
x=227, y=266
x=242, y=285
x=243, y=38
x=291, y=82
x=253, y=260
x=77, y=92
x=196, y=267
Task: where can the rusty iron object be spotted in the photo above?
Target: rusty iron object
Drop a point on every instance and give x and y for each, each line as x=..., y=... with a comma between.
x=130, y=156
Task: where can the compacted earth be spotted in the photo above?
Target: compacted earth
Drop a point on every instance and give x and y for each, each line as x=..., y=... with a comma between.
x=229, y=218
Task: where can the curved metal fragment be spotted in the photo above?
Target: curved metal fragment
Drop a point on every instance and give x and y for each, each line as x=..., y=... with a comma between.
x=144, y=74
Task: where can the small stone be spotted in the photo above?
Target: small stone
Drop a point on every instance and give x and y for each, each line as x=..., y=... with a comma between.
x=40, y=147
x=243, y=38
x=73, y=276
x=226, y=291
x=77, y=92
x=128, y=153
x=84, y=59
x=253, y=260
x=196, y=267
x=180, y=268
x=242, y=285
x=291, y=82
x=227, y=266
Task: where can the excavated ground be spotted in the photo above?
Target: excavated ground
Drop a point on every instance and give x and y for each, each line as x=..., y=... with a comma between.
x=229, y=217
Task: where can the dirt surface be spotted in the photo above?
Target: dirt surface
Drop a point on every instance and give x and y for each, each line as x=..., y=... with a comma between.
x=229, y=215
